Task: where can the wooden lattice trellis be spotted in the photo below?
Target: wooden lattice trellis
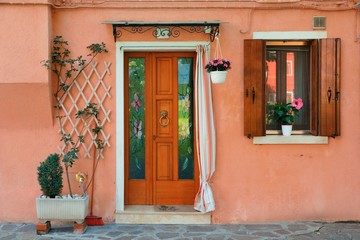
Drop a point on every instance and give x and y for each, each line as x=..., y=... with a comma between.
x=71, y=104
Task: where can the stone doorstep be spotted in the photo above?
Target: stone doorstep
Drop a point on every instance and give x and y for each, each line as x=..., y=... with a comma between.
x=150, y=214
x=44, y=228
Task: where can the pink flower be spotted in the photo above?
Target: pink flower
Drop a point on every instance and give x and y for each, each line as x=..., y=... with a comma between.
x=137, y=128
x=218, y=64
x=136, y=103
x=297, y=103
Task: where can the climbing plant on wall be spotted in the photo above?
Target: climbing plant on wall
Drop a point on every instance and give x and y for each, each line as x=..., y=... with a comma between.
x=78, y=105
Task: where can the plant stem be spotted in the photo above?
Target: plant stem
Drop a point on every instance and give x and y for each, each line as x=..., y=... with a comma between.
x=68, y=179
x=78, y=73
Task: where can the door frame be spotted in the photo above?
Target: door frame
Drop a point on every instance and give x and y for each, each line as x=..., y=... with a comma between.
x=122, y=47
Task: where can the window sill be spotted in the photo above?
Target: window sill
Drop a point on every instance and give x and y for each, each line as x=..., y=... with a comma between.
x=293, y=139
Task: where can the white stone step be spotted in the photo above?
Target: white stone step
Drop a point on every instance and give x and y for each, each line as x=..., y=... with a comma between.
x=161, y=214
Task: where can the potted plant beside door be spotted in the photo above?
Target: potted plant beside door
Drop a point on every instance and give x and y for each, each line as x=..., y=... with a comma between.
x=218, y=69
x=285, y=114
x=51, y=205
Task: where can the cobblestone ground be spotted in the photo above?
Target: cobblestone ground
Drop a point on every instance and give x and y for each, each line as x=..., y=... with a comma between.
x=291, y=231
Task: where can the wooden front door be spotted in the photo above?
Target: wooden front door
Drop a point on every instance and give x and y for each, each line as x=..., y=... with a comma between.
x=160, y=164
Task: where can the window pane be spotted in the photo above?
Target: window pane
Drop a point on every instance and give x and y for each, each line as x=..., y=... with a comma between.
x=136, y=118
x=290, y=81
x=185, y=129
x=288, y=77
x=270, y=81
x=270, y=89
x=302, y=88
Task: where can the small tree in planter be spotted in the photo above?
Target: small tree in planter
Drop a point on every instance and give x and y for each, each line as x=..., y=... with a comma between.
x=67, y=71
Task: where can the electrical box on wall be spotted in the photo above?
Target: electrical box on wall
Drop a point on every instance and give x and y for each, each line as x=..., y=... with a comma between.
x=319, y=23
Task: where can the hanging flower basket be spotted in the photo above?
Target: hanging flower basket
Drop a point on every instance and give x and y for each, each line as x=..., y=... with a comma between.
x=218, y=66
x=218, y=76
x=218, y=69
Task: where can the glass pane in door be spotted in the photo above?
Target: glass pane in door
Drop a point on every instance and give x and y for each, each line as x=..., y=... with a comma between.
x=185, y=121
x=136, y=118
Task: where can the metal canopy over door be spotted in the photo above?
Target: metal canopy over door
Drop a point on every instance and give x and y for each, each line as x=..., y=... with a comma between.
x=160, y=164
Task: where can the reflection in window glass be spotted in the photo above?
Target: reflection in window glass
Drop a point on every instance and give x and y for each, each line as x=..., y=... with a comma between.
x=288, y=77
x=136, y=118
x=290, y=80
x=270, y=88
x=185, y=123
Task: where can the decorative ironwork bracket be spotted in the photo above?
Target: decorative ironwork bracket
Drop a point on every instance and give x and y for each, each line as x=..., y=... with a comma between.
x=165, y=29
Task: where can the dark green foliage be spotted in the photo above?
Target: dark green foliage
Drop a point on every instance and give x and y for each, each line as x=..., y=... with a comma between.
x=89, y=110
x=67, y=69
x=282, y=113
x=70, y=156
x=97, y=48
x=50, y=176
x=218, y=64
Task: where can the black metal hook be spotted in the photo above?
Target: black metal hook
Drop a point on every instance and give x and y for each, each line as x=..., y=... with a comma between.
x=253, y=95
x=329, y=93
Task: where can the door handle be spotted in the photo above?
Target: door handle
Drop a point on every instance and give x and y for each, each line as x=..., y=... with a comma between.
x=164, y=119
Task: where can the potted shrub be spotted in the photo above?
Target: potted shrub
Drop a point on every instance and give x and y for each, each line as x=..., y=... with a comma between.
x=285, y=114
x=52, y=205
x=50, y=176
x=218, y=69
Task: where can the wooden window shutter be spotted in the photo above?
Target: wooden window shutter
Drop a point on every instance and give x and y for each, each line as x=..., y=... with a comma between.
x=329, y=86
x=314, y=87
x=254, y=87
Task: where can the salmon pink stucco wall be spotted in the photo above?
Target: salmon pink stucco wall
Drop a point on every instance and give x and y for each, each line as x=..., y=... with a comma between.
x=252, y=183
x=26, y=122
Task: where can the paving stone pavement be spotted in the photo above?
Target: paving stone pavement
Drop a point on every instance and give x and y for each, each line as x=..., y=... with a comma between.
x=268, y=231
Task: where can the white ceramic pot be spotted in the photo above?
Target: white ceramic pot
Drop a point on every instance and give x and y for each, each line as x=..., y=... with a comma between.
x=54, y=209
x=218, y=76
x=286, y=130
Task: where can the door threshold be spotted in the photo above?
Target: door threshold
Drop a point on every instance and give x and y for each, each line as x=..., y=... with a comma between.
x=161, y=214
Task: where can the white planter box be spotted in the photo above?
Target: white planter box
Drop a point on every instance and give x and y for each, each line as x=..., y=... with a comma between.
x=53, y=209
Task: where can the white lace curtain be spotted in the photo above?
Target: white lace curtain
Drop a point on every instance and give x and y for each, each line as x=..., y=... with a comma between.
x=205, y=134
